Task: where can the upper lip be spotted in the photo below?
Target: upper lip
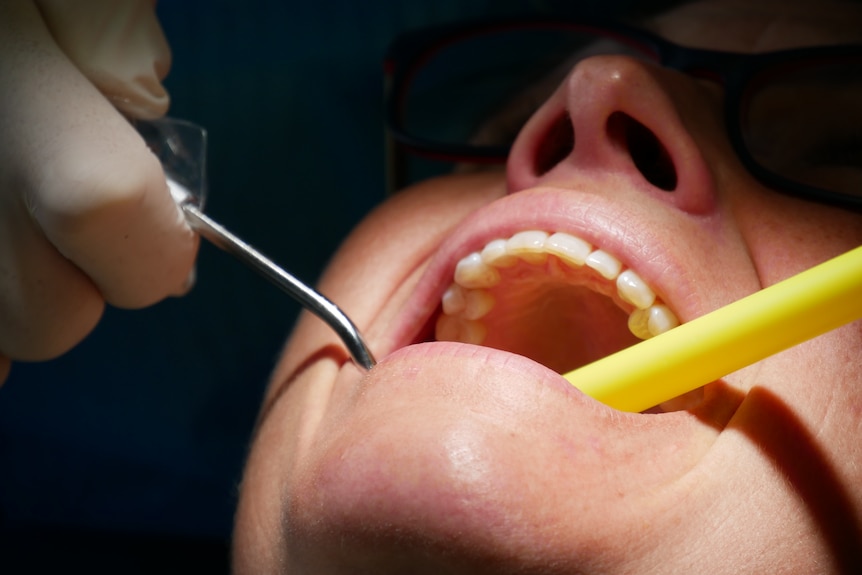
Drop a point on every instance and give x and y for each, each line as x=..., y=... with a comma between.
x=626, y=234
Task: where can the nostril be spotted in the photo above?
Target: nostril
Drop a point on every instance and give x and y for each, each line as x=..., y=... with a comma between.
x=555, y=146
x=648, y=154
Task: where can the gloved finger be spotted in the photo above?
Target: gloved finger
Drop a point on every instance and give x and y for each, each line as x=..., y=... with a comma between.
x=83, y=173
x=47, y=305
x=121, y=49
x=118, y=46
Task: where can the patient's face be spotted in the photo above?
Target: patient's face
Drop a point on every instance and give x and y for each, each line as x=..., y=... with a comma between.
x=472, y=455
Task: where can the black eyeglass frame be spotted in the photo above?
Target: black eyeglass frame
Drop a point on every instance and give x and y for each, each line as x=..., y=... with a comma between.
x=732, y=70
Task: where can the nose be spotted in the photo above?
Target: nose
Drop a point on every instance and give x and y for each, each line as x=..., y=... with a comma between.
x=615, y=114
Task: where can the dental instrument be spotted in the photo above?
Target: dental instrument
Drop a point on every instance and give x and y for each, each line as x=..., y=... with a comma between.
x=310, y=299
x=180, y=146
x=716, y=344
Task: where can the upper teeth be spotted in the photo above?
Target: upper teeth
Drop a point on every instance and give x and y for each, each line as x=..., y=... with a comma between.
x=467, y=300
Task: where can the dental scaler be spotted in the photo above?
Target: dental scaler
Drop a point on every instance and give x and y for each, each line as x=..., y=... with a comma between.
x=310, y=299
x=180, y=146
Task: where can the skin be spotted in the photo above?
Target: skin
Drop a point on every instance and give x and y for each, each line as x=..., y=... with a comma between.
x=463, y=459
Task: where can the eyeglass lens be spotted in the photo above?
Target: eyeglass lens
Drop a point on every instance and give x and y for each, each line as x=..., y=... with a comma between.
x=804, y=122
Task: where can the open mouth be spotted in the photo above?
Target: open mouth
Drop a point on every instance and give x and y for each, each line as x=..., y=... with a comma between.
x=552, y=297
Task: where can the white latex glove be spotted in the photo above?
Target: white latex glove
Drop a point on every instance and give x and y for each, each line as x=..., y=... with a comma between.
x=85, y=213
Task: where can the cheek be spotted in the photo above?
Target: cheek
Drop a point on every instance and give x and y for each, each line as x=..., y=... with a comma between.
x=786, y=235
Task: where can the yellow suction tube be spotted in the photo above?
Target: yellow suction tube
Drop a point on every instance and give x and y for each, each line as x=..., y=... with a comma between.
x=714, y=345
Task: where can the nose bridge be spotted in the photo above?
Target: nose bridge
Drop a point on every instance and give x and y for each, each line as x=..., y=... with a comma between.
x=613, y=114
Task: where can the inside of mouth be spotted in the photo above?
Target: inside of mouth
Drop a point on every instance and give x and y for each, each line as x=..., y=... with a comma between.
x=560, y=317
x=561, y=325
x=551, y=297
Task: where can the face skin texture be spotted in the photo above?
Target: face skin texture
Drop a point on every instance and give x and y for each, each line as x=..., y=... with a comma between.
x=448, y=457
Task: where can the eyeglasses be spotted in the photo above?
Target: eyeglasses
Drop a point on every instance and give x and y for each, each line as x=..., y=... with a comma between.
x=461, y=93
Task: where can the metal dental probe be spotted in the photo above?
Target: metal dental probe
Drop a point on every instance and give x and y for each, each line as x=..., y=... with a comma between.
x=180, y=146
x=311, y=300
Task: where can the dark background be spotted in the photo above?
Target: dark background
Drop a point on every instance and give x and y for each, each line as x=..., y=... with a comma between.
x=125, y=454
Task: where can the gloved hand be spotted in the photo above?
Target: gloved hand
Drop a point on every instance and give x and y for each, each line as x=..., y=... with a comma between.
x=85, y=214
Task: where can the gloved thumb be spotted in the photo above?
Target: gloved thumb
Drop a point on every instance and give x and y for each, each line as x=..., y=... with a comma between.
x=118, y=46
